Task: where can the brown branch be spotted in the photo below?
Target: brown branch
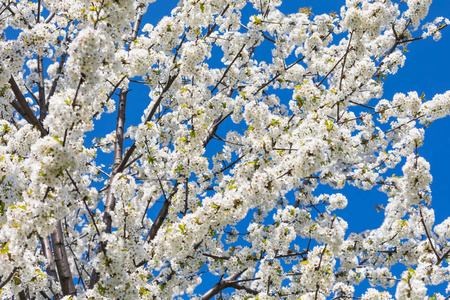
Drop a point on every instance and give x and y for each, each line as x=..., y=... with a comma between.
x=130, y=151
x=399, y=41
x=230, y=165
x=62, y=262
x=110, y=202
x=186, y=198
x=22, y=295
x=136, y=26
x=221, y=285
x=43, y=107
x=292, y=254
x=211, y=28
x=145, y=212
x=161, y=216
x=321, y=256
x=58, y=74
x=443, y=257
x=268, y=82
x=25, y=108
x=85, y=203
x=32, y=94
x=179, y=47
x=343, y=64
x=278, y=74
x=46, y=248
x=6, y=7
x=94, y=276
x=159, y=219
x=228, y=68
x=50, y=17
x=38, y=17
x=212, y=131
x=74, y=102
x=215, y=256
x=334, y=67
x=373, y=114
x=8, y=279
x=428, y=235
x=403, y=124
x=243, y=287
x=20, y=110
x=362, y=105
x=80, y=276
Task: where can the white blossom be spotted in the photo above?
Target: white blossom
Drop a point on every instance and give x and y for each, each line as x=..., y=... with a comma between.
x=217, y=186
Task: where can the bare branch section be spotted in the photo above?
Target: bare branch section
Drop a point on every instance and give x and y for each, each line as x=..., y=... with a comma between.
x=161, y=216
x=119, y=163
x=8, y=278
x=110, y=202
x=136, y=26
x=43, y=105
x=159, y=219
x=212, y=131
x=130, y=151
x=58, y=74
x=62, y=262
x=227, y=283
x=24, y=109
x=47, y=251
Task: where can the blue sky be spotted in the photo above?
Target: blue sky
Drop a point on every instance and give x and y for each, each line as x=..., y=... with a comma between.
x=425, y=71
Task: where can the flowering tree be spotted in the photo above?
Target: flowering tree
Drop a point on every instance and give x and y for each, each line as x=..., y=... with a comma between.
x=191, y=195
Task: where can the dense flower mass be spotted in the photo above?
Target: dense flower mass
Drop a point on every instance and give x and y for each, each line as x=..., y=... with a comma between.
x=216, y=191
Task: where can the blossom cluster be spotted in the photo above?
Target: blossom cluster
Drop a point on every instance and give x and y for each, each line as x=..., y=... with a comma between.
x=222, y=173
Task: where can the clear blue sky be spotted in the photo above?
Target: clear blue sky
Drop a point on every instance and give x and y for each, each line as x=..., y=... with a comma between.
x=426, y=71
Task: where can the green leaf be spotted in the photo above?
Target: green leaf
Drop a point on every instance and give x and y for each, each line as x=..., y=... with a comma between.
x=422, y=97
x=179, y=168
x=257, y=20
x=306, y=10
x=274, y=123
x=4, y=248
x=151, y=159
x=182, y=227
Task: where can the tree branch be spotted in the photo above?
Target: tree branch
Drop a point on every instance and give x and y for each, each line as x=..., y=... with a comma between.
x=130, y=151
x=62, y=262
x=212, y=131
x=27, y=113
x=41, y=85
x=110, y=202
x=223, y=284
x=428, y=235
x=7, y=279
x=161, y=216
x=228, y=68
x=47, y=251
x=58, y=74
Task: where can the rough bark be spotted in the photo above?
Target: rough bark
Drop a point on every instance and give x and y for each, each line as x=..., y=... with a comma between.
x=62, y=262
x=27, y=113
